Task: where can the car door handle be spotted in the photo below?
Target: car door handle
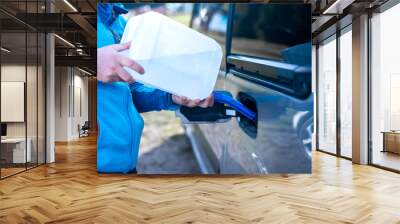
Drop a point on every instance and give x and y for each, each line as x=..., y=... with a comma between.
x=225, y=107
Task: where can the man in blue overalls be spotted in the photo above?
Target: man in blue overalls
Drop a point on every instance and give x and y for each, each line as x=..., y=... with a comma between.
x=120, y=100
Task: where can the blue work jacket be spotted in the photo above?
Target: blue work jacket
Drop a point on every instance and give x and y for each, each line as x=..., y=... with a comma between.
x=119, y=103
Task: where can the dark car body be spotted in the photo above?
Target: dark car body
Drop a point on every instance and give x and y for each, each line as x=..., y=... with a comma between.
x=267, y=67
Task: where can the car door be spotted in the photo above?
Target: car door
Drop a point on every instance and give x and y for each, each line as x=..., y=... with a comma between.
x=267, y=68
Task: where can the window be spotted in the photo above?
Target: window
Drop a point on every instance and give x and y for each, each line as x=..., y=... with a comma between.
x=327, y=96
x=22, y=77
x=14, y=156
x=273, y=31
x=385, y=88
x=272, y=43
x=346, y=93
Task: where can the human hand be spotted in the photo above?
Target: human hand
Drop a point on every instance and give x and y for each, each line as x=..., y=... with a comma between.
x=184, y=101
x=110, y=64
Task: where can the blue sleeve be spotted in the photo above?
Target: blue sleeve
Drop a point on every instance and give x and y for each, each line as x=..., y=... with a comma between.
x=148, y=99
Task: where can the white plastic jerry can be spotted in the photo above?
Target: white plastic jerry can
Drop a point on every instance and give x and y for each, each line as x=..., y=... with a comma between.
x=176, y=58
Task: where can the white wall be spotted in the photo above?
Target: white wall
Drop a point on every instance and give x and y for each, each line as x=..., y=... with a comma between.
x=80, y=103
x=71, y=94
x=10, y=73
x=61, y=103
x=33, y=126
x=16, y=73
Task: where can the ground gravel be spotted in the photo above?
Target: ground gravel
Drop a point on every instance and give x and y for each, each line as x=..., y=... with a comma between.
x=164, y=147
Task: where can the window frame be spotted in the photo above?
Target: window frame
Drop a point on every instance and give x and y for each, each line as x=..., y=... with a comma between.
x=25, y=30
x=380, y=9
x=251, y=67
x=336, y=35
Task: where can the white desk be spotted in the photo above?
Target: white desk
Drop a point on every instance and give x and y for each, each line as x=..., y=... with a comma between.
x=18, y=149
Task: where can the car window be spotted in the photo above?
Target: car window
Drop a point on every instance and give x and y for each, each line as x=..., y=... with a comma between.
x=272, y=31
x=211, y=19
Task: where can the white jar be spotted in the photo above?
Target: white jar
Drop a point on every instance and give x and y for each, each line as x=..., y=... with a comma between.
x=176, y=58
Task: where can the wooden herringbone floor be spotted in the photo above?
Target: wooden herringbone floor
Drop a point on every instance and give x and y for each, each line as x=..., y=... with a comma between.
x=71, y=191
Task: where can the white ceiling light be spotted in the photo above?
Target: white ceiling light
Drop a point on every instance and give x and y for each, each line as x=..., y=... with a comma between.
x=79, y=51
x=338, y=6
x=65, y=41
x=70, y=5
x=5, y=50
x=84, y=71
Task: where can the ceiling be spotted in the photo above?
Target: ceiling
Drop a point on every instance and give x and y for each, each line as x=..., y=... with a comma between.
x=72, y=20
x=332, y=15
x=75, y=22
